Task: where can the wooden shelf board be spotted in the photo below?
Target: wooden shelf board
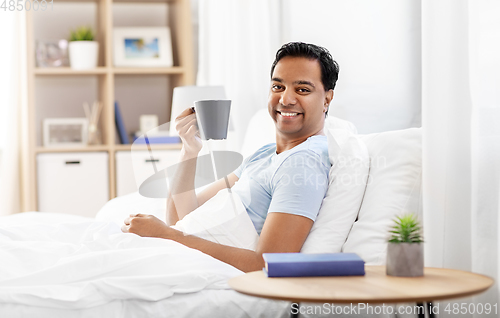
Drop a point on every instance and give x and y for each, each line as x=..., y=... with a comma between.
x=71, y=149
x=145, y=70
x=146, y=1
x=104, y=70
x=69, y=71
x=144, y=147
x=120, y=1
x=59, y=1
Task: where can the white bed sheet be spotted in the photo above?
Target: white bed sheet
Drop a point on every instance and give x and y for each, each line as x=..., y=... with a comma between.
x=61, y=261
x=210, y=299
x=202, y=304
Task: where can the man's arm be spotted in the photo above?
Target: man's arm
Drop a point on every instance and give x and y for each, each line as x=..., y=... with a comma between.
x=173, y=216
x=182, y=198
x=282, y=233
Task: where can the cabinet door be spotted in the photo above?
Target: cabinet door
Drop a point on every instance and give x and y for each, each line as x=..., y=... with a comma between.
x=74, y=183
x=133, y=167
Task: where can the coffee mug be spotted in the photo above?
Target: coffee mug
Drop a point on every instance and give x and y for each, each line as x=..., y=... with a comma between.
x=213, y=118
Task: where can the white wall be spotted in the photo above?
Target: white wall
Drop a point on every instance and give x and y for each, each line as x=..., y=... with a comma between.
x=1, y=158
x=377, y=45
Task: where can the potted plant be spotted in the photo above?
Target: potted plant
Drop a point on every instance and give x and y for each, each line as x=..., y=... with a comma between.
x=83, y=49
x=405, y=253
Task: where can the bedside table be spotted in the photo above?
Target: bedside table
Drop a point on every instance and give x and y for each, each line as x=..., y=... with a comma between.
x=374, y=288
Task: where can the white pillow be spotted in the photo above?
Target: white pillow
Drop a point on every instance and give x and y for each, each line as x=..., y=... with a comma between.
x=341, y=204
x=332, y=122
x=393, y=188
x=223, y=219
x=117, y=209
x=216, y=220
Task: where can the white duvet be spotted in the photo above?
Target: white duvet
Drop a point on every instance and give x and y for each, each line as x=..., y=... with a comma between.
x=78, y=262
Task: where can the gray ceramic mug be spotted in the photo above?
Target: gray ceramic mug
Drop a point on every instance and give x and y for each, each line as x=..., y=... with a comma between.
x=213, y=118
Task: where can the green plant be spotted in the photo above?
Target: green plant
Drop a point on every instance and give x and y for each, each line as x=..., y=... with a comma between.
x=82, y=33
x=406, y=230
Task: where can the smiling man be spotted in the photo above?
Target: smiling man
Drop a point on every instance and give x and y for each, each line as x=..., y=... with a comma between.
x=281, y=185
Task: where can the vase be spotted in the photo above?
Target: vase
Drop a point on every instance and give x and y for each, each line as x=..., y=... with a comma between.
x=83, y=54
x=405, y=259
x=94, y=135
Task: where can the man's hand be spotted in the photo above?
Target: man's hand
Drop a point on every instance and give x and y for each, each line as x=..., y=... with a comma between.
x=146, y=225
x=187, y=128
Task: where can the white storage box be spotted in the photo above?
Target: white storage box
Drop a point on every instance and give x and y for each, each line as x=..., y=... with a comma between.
x=133, y=167
x=74, y=183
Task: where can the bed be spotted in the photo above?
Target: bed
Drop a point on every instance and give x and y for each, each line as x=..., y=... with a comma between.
x=106, y=273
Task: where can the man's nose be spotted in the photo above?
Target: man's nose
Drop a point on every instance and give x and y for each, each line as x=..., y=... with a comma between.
x=288, y=97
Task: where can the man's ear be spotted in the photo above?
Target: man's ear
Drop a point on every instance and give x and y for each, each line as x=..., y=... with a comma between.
x=328, y=99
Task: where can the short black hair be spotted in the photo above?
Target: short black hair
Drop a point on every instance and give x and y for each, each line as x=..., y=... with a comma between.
x=329, y=68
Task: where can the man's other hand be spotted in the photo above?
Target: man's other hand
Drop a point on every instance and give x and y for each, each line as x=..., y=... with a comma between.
x=145, y=225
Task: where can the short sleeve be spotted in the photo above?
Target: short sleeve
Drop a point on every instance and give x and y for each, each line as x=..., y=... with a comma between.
x=248, y=159
x=239, y=170
x=299, y=185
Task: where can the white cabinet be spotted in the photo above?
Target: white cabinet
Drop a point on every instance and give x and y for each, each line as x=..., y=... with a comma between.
x=74, y=183
x=133, y=167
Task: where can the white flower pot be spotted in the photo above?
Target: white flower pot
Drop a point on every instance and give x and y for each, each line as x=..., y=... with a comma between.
x=83, y=54
x=405, y=259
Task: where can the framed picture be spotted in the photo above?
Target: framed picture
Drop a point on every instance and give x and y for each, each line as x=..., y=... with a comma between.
x=65, y=132
x=143, y=47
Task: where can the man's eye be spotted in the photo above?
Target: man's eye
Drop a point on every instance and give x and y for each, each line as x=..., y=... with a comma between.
x=276, y=87
x=303, y=90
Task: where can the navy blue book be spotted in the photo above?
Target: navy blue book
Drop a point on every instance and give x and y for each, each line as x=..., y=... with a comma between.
x=301, y=265
x=120, y=126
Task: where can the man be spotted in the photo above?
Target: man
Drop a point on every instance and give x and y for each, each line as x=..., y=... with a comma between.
x=282, y=185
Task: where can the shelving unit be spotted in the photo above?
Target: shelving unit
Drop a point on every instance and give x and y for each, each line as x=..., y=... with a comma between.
x=100, y=82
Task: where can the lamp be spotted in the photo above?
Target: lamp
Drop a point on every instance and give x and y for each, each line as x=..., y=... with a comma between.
x=185, y=96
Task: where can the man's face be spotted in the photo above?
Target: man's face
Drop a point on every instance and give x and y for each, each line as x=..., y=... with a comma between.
x=297, y=99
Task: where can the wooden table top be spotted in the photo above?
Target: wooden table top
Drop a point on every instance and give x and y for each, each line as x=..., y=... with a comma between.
x=374, y=287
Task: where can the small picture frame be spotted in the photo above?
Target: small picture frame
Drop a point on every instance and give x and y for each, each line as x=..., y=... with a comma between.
x=65, y=132
x=142, y=47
